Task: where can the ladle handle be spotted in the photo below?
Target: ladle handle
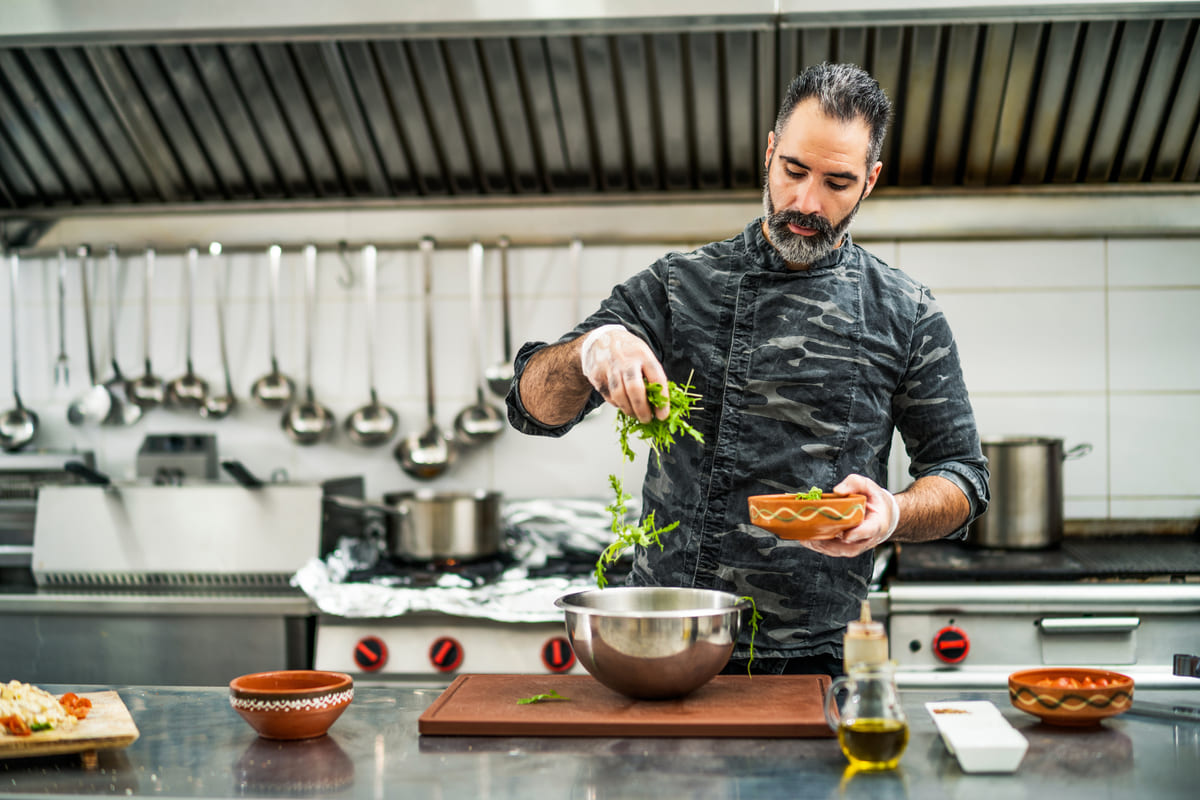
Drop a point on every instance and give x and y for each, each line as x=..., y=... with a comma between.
x=310, y=293
x=62, y=302
x=475, y=284
x=274, y=253
x=214, y=251
x=427, y=306
x=83, y=252
x=147, y=302
x=506, y=324
x=369, y=290
x=193, y=256
x=14, y=268
x=112, y=310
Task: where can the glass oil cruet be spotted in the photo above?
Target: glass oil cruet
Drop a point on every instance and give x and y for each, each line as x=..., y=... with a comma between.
x=870, y=724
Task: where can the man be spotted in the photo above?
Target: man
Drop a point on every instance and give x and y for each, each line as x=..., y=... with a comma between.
x=807, y=352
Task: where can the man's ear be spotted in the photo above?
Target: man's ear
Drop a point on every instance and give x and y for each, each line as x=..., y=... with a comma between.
x=872, y=176
x=770, y=149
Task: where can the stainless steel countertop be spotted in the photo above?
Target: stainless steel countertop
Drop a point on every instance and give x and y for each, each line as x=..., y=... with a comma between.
x=192, y=744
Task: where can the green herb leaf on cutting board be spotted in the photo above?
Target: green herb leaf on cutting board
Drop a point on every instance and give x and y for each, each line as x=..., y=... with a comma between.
x=538, y=698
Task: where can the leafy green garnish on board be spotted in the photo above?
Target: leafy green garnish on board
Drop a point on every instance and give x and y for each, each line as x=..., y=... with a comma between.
x=537, y=698
x=812, y=494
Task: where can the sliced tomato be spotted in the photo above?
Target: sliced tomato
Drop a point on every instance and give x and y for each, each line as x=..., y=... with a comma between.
x=15, y=725
x=75, y=705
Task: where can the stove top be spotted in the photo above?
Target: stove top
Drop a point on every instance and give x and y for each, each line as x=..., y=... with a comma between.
x=1141, y=557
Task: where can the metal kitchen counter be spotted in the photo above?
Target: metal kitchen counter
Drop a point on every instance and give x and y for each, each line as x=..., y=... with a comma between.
x=192, y=744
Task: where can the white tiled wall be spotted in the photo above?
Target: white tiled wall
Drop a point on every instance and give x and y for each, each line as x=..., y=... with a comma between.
x=1088, y=340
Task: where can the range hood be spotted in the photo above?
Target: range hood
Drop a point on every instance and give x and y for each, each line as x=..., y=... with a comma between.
x=137, y=106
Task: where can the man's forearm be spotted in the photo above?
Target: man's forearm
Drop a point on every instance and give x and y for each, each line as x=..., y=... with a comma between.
x=553, y=388
x=930, y=509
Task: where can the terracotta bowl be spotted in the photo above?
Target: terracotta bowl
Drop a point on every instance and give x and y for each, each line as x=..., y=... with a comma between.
x=789, y=518
x=1073, y=696
x=291, y=704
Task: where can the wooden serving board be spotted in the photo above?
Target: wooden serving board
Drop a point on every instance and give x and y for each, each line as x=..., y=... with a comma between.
x=729, y=706
x=107, y=726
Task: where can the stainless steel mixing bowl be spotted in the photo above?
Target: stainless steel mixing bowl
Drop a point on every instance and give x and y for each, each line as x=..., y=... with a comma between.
x=653, y=643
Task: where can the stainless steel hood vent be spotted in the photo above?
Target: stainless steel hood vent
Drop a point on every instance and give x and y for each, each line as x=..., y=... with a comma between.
x=311, y=121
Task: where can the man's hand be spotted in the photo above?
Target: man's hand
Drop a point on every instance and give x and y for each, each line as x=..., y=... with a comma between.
x=618, y=365
x=879, y=521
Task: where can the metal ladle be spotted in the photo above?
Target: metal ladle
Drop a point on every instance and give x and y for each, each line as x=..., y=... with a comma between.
x=426, y=455
x=18, y=426
x=219, y=406
x=374, y=424
x=481, y=421
x=273, y=390
x=124, y=411
x=148, y=390
x=188, y=391
x=500, y=376
x=308, y=422
x=95, y=404
x=62, y=364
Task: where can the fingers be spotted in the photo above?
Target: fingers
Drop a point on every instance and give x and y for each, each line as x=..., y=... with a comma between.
x=874, y=529
x=618, y=364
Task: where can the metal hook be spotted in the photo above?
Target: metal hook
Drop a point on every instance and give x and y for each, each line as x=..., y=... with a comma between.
x=345, y=278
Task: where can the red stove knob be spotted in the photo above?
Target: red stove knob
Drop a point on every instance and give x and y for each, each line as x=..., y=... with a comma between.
x=557, y=654
x=370, y=654
x=446, y=654
x=951, y=644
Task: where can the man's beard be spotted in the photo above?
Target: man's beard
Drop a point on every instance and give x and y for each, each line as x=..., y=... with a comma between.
x=797, y=249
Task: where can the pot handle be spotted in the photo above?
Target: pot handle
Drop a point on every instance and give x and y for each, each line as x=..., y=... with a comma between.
x=1078, y=451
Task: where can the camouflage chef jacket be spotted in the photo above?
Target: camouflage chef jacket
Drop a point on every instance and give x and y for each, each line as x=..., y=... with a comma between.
x=803, y=374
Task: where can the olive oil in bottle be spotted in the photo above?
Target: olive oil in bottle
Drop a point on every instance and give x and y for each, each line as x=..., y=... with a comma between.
x=873, y=744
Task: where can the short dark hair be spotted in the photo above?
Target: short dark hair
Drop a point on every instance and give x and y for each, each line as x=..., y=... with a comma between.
x=846, y=92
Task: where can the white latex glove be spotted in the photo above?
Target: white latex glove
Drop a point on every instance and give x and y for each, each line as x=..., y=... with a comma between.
x=618, y=365
x=879, y=521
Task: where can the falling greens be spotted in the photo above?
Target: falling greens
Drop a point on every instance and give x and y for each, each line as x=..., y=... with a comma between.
x=537, y=698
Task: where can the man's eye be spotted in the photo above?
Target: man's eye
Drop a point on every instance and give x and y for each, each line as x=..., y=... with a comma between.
x=839, y=187
x=794, y=174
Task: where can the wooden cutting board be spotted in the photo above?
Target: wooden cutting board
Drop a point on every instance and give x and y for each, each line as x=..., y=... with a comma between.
x=107, y=726
x=737, y=706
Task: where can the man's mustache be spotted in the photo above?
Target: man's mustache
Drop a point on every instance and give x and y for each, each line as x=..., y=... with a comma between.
x=811, y=221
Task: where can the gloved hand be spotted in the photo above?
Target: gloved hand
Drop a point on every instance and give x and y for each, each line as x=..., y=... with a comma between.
x=618, y=365
x=879, y=521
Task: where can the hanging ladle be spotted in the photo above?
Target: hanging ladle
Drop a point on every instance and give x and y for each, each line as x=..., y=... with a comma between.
x=499, y=376
x=307, y=421
x=18, y=426
x=95, y=404
x=481, y=421
x=374, y=424
x=147, y=390
x=426, y=455
x=124, y=411
x=188, y=391
x=219, y=406
x=273, y=390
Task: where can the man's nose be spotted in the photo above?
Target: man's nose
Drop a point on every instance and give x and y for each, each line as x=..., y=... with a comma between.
x=808, y=198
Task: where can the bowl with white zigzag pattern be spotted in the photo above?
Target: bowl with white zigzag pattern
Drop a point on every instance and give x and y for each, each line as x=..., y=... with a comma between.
x=791, y=517
x=291, y=703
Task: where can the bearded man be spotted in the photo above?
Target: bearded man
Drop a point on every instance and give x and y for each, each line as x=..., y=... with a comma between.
x=808, y=352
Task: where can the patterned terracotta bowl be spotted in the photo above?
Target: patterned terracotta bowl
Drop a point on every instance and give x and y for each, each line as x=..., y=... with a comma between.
x=1073, y=696
x=291, y=704
x=790, y=518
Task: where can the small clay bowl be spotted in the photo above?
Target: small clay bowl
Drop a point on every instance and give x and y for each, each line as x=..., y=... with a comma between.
x=291, y=704
x=789, y=518
x=1073, y=696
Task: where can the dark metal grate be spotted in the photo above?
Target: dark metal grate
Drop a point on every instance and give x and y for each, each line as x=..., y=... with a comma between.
x=337, y=120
